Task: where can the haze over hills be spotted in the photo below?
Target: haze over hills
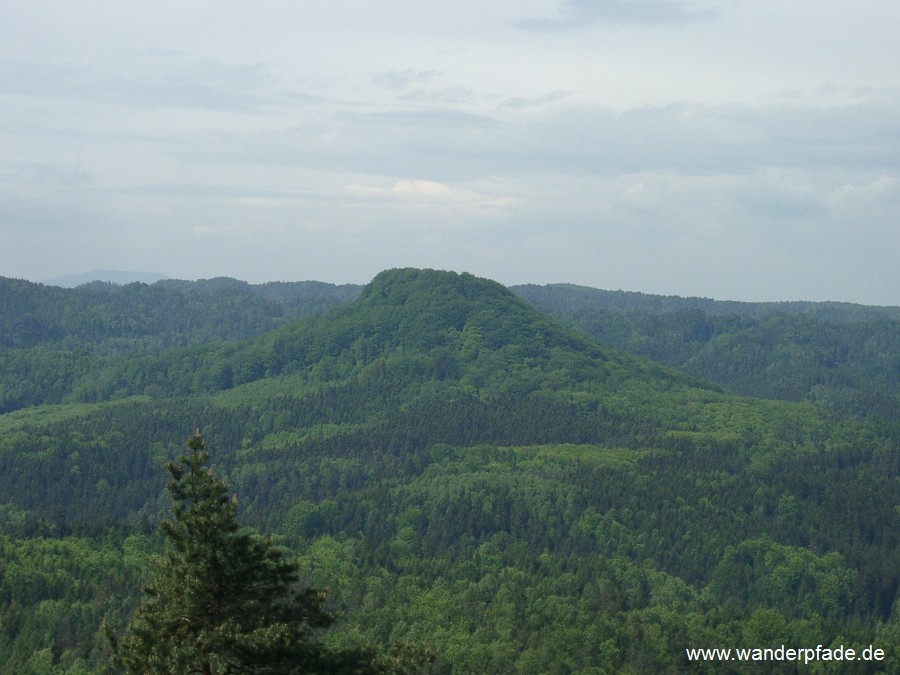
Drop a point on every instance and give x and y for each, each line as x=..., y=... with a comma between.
x=459, y=469
x=573, y=298
x=561, y=296
x=106, y=276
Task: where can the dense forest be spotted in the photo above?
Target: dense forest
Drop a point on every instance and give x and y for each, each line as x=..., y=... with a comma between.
x=548, y=484
x=842, y=355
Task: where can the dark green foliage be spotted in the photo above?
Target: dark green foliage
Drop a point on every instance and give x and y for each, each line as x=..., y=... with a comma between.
x=223, y=599
x=55, y=341
x=563, y=298
x=845, y=356
x=465, y=473
x=165, y=314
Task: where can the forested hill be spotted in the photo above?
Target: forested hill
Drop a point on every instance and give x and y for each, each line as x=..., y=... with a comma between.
x=54, y=341
x=450, y=326
x=562, y=298
x=843, y=355
x=141, y=317
x=464, y=472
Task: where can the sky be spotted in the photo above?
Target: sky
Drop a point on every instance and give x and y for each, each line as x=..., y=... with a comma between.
x=732, y=149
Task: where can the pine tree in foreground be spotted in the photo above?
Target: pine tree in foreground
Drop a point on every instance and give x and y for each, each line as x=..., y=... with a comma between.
x=224, y=599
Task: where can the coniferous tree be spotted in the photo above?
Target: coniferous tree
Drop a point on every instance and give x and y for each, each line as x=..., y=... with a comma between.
x=223, y=599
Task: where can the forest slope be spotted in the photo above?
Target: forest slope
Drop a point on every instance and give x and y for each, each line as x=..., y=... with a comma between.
x=53, y=341
x=844, y=355
x=462, y=471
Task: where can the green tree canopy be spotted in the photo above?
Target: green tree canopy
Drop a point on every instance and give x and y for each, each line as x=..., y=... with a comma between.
x=225, y=599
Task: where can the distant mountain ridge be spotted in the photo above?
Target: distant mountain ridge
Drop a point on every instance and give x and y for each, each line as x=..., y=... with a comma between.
x=106, y=276
x=841, y=354
x=560, y=298
x=164, y=314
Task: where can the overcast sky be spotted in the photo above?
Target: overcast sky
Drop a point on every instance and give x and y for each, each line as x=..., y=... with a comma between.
x=734, y=149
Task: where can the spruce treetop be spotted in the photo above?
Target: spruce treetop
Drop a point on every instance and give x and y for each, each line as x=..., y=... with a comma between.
x=225, y=599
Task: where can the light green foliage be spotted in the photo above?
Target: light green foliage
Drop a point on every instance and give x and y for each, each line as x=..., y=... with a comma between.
x=794, y=580
x=54, y=594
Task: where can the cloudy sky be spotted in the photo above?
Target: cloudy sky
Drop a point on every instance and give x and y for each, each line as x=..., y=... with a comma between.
x=735, y=149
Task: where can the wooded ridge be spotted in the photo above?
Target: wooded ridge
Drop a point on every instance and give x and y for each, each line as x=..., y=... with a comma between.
x=465, y=473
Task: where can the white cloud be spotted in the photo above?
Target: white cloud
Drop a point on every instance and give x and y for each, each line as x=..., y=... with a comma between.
x=426, y=192
x=883, y=190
